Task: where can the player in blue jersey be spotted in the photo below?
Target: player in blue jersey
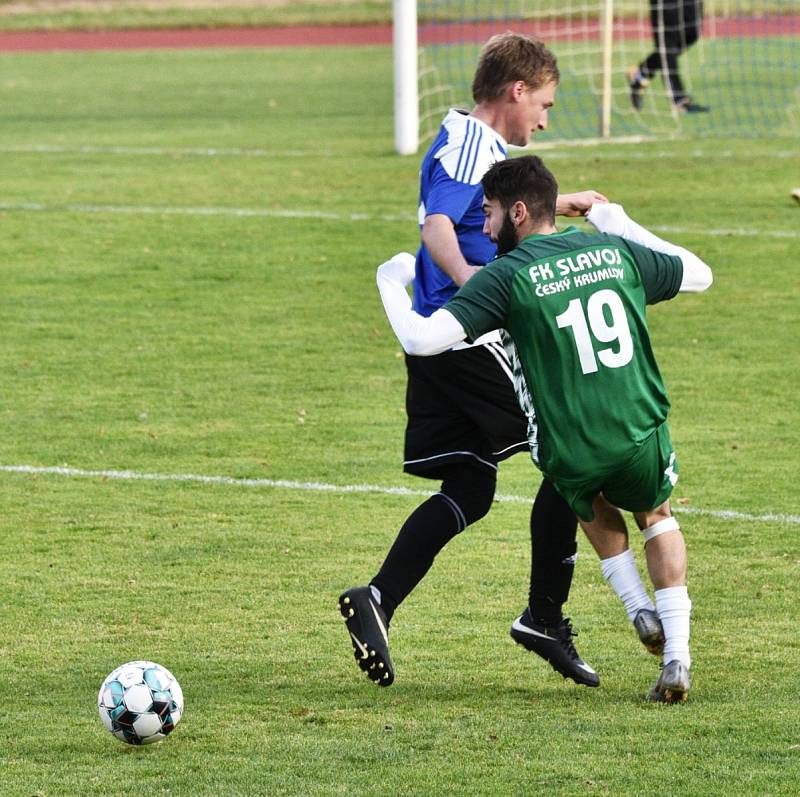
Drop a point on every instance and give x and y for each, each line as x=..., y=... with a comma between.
x=463, y=416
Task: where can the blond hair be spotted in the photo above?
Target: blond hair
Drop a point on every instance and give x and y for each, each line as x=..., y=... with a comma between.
x=508, y=57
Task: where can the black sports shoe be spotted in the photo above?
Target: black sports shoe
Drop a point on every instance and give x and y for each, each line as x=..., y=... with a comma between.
x=688, y=105
x=555, y=646
x=369, y=633
x=637, y=85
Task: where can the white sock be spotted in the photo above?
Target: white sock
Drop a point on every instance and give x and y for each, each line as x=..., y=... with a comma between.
x=674, y=609
x=376, y=593
x=622, y=574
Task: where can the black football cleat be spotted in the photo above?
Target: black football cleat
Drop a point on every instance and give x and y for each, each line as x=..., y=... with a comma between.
x=636, y=86
x=688, y=105
x=369, y=633
x=555, y=646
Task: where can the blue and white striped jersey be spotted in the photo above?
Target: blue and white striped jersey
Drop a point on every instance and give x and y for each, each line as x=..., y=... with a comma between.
x=450, y=184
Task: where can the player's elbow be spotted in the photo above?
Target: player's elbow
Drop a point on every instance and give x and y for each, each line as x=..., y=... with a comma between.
x=423, y=339
x=697, y=276
x=704, y=278
x=424, y=336
x=419, y=345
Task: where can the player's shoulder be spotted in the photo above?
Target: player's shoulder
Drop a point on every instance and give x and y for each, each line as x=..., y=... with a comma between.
x=571, y=238
x=506, y=266
x=467, y=147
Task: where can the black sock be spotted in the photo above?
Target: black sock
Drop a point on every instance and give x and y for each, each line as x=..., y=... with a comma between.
x=428, y=529
x=466, y=496
x=553, y=547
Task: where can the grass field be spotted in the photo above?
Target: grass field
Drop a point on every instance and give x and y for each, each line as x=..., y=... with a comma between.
x=188, y=246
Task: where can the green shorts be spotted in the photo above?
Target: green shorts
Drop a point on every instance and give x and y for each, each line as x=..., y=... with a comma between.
x=641, y=484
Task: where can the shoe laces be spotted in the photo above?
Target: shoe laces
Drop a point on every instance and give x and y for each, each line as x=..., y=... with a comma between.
x=565, y=634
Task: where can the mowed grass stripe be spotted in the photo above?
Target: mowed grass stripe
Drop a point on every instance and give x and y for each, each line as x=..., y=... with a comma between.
x=323, y=487
x=551, y=151
x=322, y=215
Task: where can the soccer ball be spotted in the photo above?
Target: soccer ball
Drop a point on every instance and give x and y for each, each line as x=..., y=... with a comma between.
x=140, y=702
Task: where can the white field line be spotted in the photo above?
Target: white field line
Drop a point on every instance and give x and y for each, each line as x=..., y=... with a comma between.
x=169, y=152
x=560, y=150
x=322, y=487
x=321, y=215
x=155, y=210
x=555, y=150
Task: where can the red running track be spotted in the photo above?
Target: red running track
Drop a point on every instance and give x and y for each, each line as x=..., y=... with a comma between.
x=326, y=36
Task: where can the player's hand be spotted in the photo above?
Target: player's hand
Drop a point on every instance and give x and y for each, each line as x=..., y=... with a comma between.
x=578, y=204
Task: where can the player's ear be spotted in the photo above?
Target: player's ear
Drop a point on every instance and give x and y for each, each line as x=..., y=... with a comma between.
x=516, y=90
x=519, y=213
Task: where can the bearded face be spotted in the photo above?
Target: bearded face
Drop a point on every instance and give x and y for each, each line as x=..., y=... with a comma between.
x=506, y=236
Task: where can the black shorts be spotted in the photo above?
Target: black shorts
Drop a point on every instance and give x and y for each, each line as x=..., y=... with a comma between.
x=461, y=407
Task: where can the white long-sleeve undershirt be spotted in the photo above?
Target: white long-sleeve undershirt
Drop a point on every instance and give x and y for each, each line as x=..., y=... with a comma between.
x=612, y=219
x=418, y=335
x=441, y=331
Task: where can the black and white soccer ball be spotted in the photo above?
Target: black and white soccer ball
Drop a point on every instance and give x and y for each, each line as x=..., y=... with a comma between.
x=140, y=702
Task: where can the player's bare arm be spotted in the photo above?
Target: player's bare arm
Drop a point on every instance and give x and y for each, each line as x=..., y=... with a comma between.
x=578, y=204
x=439, y=236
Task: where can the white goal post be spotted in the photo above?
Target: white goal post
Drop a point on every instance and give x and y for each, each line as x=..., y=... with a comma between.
x=742, y=66
x=406, y=73
x=406, y=95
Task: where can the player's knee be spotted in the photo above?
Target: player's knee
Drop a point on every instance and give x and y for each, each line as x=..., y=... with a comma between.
x=471, y=490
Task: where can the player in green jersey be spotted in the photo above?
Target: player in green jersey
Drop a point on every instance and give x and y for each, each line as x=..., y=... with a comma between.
x=572, y=307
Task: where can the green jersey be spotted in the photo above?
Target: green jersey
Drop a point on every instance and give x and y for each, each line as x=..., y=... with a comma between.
x=572, y=308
